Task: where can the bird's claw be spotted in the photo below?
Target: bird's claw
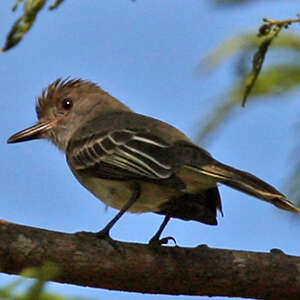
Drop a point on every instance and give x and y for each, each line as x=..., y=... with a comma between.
x=164, y=241
x=103, y=234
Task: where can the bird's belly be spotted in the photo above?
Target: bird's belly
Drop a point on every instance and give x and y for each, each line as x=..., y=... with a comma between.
x=117, y=193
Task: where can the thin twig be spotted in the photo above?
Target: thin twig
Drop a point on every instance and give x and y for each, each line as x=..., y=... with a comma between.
x=270, y=30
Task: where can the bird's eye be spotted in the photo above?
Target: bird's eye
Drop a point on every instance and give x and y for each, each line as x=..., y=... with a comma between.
x=67, y=103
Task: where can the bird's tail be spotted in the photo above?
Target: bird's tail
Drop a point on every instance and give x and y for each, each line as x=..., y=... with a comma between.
x=245, y=182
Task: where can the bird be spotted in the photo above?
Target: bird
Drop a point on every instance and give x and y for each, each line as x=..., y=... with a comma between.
x=136, y=163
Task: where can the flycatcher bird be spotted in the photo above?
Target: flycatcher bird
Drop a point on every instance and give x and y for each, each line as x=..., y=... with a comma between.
x=133, y=162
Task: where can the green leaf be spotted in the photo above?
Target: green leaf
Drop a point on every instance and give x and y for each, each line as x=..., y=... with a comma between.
x=24, y=23
x=16, y=5
x=274, y=81
x=7, y=291
x=36, y=290
x=229, y=48
x=258, y=60
x=55, y=4
x=244, y=43
x=45, y=273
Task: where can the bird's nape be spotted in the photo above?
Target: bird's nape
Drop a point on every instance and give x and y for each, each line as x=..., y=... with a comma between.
x=134, y=162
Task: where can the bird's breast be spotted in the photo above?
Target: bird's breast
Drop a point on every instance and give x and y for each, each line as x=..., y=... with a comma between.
x=116, y=193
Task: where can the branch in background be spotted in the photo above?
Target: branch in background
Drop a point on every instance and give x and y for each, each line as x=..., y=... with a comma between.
x=55, y=4
x=275, y=81
x=25, y=22
x=258, y=60
x=269, y=31
x=283, y=23
x=86, y=260
x=243, y=45
x=22, y=289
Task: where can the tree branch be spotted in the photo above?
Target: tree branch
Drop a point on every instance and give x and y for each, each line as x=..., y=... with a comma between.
x=86, y=260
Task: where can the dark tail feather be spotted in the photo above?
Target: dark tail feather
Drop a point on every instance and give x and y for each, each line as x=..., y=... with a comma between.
x=200, y=207
x=247, y=183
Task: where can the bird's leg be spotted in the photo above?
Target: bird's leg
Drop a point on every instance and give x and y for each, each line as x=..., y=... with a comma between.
x=155, y=240
x=104, y=233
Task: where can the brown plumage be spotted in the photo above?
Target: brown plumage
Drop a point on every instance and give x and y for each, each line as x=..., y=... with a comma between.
x=133, y=162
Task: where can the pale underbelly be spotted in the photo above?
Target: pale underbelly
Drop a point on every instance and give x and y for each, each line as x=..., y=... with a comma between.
x=117, y=193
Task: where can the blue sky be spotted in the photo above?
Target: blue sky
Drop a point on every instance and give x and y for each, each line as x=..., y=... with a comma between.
x=145, y=53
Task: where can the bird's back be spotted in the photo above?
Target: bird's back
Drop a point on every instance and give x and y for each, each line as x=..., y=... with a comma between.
x=181, y=193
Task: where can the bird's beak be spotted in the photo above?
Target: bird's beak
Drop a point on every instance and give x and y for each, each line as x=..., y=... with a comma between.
x=33, y=132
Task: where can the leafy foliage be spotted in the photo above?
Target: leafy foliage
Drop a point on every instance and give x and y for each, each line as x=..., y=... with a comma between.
x=274, y=80
x=55, y=4
x=35, y=290
x=31, y=9
x=269, y=31
x=258, y=60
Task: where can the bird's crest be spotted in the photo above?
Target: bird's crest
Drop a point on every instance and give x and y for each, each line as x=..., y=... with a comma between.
x=61, y=88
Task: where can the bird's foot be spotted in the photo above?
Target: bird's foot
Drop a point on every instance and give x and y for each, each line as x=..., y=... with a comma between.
x=155, y=241
x=103, y=234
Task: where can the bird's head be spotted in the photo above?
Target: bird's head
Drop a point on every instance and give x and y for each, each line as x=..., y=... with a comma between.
x=63, y=107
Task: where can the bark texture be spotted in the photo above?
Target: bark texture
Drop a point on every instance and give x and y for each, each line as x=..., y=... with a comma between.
x=86, y=260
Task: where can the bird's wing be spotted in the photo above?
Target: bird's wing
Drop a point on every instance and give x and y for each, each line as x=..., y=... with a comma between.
x=121, y=154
